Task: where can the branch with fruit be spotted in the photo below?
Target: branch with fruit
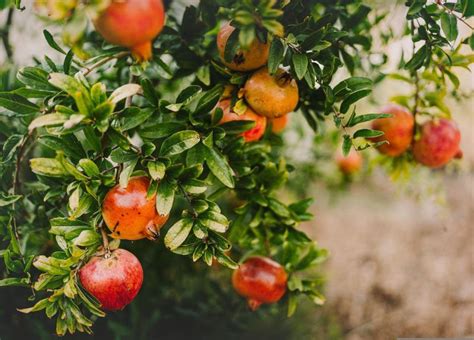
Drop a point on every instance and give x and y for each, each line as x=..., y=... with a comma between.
x=149, y=130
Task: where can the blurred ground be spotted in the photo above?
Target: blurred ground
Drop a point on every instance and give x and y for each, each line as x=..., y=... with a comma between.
x=400, y=267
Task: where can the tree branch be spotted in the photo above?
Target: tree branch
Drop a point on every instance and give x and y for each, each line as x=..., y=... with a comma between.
x=5, y=34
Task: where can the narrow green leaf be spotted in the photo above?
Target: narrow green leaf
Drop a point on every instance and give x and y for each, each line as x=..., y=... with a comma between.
x=219, y=167
x=51, y=42
x=367, y=133
x=276, y=55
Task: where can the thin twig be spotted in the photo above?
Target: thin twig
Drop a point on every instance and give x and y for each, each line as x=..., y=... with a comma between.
x=19, y=158
x=132, y=79
x=87, y=70
x=5, y=34
x=440, y=3
x=186, y=196
x=16, y=176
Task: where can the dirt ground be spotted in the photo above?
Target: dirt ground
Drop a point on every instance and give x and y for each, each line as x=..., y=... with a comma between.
x=400, y=266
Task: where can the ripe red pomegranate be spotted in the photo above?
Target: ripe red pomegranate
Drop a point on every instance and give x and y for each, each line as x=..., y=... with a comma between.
x=438, y=143
x=129, y=214
x=133, y=24
x=244, y=60
x=254, y=133
x=260, y=280
x=114, y=279
x=351, y=163
x=271, y=96
x=398, y=130
x=279, y=124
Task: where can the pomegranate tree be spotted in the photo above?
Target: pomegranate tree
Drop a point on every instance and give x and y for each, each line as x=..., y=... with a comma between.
x=132, y=128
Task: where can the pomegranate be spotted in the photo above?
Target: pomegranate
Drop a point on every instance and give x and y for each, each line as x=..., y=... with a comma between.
x=254, y=133
x=244, y=60
x=351, y=163
x=398, y=130
x=271, y=96
x=279, y=124
x=438, y=143
x=133, y=24
x=113, y=279
x=129, y=214
x=260, y=280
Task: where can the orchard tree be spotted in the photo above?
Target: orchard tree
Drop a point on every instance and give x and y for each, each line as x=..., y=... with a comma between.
x=168, y=128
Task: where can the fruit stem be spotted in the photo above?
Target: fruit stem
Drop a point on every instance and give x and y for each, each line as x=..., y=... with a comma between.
x=105, y=241
x=254, y=304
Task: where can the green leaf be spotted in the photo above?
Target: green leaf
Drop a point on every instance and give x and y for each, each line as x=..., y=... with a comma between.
x=366, y=118
x=353, y=84
x=219, y=167
x=125, y=91
x=51, y=42
x=278, y=208
x=40, y=305
x=134, y=117
x=276, y=55
x=17, y=104
x=8, y=200
x=188, y=94
x=161, y=130
x=352, y=98
x=165, y=197
x=418, y=59
x=209, y=100
x=292, y=304
x=83, y=206
x=246, y=36
x=156, y=170
x=226, y=261
x=300, y=65
x=87, y=238
x=231, y=46
x=449, y=25
x=346, y=145
x=149, y=91
x=14, y=281
x=89, y=167
x=127, y=172
x=178, y=233
x=48, y=167
x=68, y=61
x=214, y=221
x=367, y=133
x=35, y=78
x=179, y=142
x=50, y=119
x=416, y=7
